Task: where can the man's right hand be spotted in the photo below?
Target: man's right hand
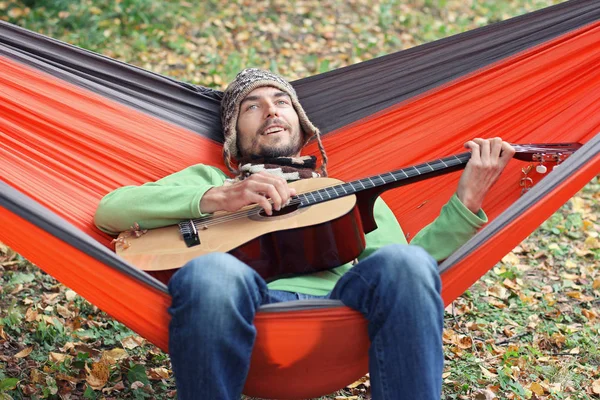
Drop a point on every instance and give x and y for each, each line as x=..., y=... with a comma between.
x=256, y=189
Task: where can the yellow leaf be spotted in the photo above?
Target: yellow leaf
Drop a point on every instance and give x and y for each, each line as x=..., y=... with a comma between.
x=578, y=205
x=24, y=353
x=64, y=311
x=589, y=314
x=510, y=259
x=570, y=277
x=131, y=342
x=114, y=355
x=98, y=375
x=487, y=373
x=510, y=284
x=596, y=284
x=163, y=373
x=592, y=243
x=70, y=295
x=465, y=342
x=15, y=12
x=570, y=264
x=497, y=303
x=58, y=357
x=31, y=314
x=596, y=386
x=574, y=295
x=537, y=388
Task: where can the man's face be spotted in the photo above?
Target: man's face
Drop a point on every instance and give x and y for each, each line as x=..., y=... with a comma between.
x=268, y=125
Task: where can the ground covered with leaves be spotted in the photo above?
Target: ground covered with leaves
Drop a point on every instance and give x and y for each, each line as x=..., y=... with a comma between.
x=529, y=329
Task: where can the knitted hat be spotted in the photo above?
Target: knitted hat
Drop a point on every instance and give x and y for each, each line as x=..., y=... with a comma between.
x=245, y=82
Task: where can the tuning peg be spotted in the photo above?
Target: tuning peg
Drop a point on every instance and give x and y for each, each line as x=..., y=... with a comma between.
x=541, y=169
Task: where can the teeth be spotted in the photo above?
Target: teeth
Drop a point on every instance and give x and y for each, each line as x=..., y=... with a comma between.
x=273, y=130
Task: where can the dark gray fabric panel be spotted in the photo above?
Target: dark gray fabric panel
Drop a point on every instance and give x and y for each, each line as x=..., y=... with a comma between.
x=343, y=96
x=193, y=107
x=332, y=99
x=30, y=210
x=586, y=153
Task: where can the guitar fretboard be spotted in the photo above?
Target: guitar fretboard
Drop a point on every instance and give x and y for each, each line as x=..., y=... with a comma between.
x=345, y=189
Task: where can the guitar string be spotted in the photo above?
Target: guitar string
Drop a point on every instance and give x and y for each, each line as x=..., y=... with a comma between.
x=211, y=220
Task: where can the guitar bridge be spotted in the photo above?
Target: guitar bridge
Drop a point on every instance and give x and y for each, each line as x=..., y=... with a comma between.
x=189, y=232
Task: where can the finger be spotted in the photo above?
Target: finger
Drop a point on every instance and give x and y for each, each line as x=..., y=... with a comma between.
x=262, y=202
x=495, y=148
x=280, y=186
x=270, y=191
x=508, y=151
x=475, y=151
x=484, y=144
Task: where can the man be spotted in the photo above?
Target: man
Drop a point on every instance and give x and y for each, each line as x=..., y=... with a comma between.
x=215, y=297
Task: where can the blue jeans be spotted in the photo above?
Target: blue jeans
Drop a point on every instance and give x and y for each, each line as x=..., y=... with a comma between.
x=397, y=289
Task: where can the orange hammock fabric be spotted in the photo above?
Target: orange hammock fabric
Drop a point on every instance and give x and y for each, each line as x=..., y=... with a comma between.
x=66, y=147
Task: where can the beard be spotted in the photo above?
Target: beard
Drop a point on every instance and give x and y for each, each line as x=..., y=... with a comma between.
x=281, y=150
x=277, y=147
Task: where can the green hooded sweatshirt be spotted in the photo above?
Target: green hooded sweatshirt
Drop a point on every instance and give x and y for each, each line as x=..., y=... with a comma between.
x=177, y=197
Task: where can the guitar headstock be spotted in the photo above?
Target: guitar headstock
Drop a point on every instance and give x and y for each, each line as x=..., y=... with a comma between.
x=545, y=152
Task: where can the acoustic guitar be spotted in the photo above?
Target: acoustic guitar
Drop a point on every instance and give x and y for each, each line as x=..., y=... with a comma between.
x=322, y=227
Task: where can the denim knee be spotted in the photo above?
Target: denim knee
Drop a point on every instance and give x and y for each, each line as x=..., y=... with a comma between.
x=407, y=266
x=215, y=277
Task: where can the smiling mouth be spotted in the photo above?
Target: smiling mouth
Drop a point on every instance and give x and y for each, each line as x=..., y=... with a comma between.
x=273, y=129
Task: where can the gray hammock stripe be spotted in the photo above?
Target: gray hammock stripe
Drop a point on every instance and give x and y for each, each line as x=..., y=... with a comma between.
x=33, y=212
x=333, y=99
x=561, y=174
x=192, y=107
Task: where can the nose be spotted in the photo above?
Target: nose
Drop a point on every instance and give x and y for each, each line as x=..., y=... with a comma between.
x=272, y=111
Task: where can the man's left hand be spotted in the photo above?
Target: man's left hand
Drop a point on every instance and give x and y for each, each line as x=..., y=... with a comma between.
x=489, y=157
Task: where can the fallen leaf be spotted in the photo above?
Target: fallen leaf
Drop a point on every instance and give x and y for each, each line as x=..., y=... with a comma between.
x=163, y=373
x=484, y=394
x=70, y=295
x=511, y=284
x=58, y=357
x=119, y=386
x=131, y=342
x=497, y=303
x=511, y=259
x=114, y=355
x=31, y=314
x=137, y=385
x=537, y=388
x=487, y=373
x=596, y=386
x=97, y=376
x=596, y=284
x=64, y=311
x=24, y=353
x=465, y=342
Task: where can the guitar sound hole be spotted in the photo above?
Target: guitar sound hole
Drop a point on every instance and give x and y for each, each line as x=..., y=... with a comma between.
x=283, y=211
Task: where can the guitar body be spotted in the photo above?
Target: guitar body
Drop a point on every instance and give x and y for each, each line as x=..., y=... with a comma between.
x=301, y=241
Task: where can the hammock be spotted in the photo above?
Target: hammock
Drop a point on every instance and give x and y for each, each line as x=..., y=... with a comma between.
x=75, y=125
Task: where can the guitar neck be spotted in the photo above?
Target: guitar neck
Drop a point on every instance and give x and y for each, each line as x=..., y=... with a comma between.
x=388, y=180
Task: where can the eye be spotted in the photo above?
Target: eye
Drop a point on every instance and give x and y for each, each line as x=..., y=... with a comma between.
x=282, y=102
x=251, y=107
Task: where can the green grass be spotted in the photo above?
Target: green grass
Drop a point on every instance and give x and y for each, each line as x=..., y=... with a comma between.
x=528, y=321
